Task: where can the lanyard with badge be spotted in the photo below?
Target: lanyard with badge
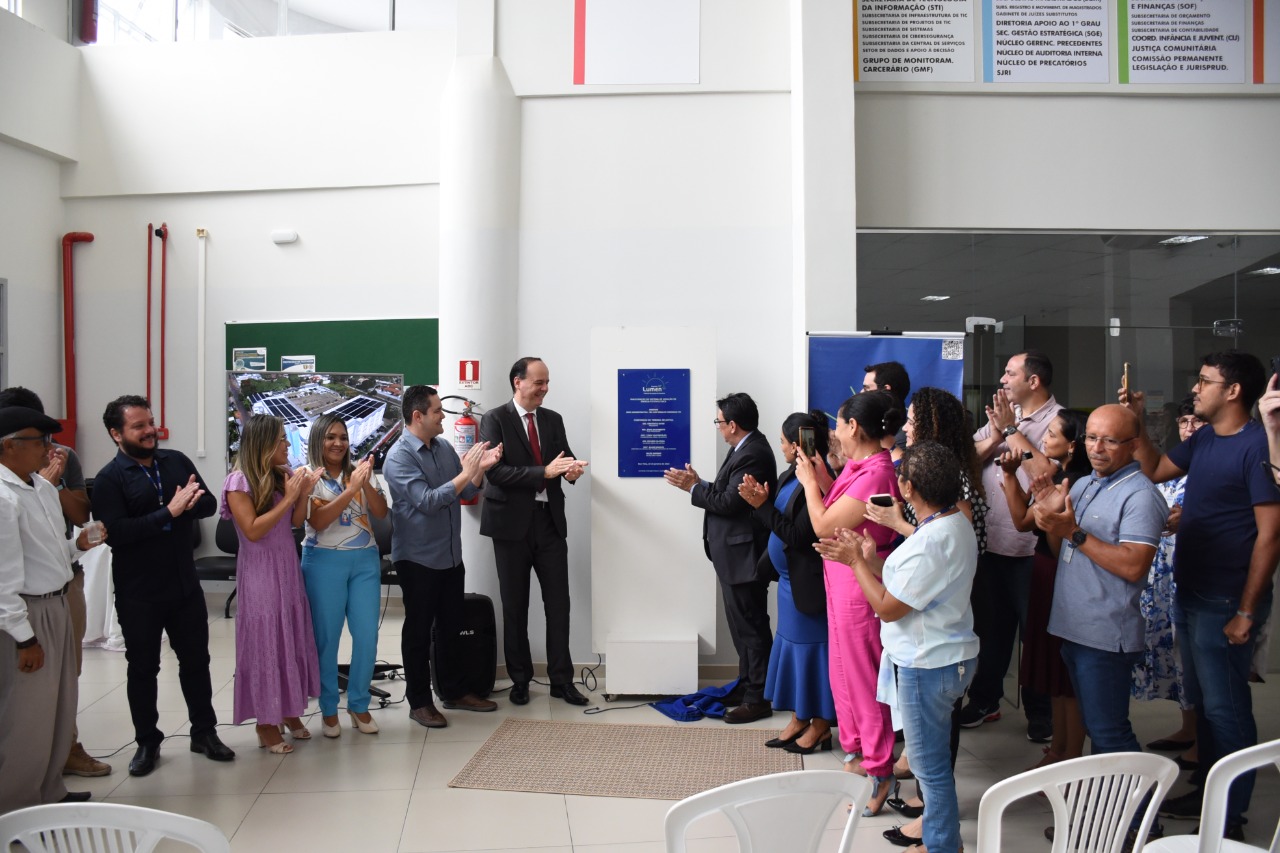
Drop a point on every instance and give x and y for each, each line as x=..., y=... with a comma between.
x=153, y=474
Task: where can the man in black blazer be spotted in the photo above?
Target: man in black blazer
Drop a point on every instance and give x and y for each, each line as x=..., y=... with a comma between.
x=734, y=539
x=523, y=512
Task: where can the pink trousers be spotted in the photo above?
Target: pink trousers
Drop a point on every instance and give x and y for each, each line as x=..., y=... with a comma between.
x=853, y=633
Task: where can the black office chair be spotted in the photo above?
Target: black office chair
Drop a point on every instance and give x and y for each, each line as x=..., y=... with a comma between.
x=220, y=567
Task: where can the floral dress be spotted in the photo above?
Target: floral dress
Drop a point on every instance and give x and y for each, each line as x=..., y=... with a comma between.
x=1159, y=674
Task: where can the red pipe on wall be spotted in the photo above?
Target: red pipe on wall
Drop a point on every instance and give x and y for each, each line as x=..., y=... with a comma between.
x=68, y=434
x=150, y=232
x=162, y=431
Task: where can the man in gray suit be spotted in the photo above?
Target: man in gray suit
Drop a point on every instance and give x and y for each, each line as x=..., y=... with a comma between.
x=734, y=541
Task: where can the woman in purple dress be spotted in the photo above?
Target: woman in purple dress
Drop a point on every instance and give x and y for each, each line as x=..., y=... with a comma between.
x=276, y=665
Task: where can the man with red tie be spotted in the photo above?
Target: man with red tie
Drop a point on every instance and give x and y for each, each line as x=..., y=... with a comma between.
x=523, y=512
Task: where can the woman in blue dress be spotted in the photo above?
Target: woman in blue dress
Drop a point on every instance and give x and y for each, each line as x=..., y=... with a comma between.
x=798, y=676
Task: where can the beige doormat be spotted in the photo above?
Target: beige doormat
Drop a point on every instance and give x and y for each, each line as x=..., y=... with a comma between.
x=604, y=760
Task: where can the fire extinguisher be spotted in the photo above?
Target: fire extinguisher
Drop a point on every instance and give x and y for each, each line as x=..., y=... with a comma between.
x=466, y=432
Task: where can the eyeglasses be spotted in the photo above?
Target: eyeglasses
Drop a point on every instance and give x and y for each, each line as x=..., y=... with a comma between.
x=1106, y=441
x=719, y=422
x=1203, y=380
x=1190, y=422
x=46, y=440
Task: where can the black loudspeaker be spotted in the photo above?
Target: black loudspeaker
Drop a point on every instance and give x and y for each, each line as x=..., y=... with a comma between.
x=472, y=653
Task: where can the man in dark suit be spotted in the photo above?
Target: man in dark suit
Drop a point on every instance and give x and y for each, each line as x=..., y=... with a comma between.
x=523, y=512
x=734, y=540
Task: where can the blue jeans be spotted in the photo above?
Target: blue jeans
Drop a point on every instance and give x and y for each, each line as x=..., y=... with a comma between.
x=925, y=700
x=1215, y=678
x=1101, y=680
x=343, y=586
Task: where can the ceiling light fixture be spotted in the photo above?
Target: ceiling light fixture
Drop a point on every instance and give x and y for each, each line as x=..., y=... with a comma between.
x=1264, y=271
x=1183, y=239
x=934, y=298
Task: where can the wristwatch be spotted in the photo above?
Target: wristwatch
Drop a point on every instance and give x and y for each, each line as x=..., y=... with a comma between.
x=1010, y=430
x=1078, y=536
x=27, y=643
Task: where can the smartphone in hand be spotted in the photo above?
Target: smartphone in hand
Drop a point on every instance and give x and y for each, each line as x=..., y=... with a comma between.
x=807, y=446
x=882, y=500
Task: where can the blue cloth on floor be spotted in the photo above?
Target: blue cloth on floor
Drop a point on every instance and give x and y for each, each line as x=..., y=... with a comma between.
x=705, y=703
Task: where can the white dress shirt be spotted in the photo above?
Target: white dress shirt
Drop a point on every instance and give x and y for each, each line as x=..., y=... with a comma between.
x=35, y=554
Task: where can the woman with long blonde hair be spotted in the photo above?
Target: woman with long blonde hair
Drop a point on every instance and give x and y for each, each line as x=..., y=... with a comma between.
x=276, y=668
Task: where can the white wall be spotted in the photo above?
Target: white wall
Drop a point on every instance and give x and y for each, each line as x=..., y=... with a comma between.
x=38, y=101
x=31, y=226
x=273, y=113
x=1141, y=162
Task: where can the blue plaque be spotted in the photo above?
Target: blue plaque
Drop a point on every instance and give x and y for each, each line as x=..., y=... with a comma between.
x=653, y=421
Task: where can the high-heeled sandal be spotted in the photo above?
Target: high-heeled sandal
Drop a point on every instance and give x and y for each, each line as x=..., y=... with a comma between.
x=280, y=748
x=369, y=728
x=890, y=785
x=896, y=836
x=299, y=733
x=331, y=731
x=822, y=744
x=900, y=805
x=778, y=742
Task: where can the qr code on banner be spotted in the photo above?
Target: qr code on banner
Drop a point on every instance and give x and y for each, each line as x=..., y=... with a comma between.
x=953, y=350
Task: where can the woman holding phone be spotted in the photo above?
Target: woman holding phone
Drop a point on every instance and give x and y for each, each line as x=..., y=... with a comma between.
x=798, y=665
x=276, y=670
x=853, y=629
x=340, y=565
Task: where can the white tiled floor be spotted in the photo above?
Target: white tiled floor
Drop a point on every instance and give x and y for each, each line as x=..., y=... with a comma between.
x=389, y=792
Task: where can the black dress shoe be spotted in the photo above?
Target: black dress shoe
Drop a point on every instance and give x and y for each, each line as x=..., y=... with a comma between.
x=900, y=838
x=748, y=713
x=209, y=745
x=568, y=693
x=76, y=797
x=519, y=694
x=779, y=743
x=899, y=805
x=144, y=760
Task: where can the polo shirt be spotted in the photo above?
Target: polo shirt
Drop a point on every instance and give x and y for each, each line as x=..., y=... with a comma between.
x=1002, y=537
x=1092, y=606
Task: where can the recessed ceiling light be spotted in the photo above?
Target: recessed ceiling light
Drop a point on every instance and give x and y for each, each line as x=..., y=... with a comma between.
x=1183, y=239
x=1265, y=271
x=934, y=298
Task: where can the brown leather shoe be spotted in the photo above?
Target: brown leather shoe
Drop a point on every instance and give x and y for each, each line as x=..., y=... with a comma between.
x=81, y=763
x=749, y=713
x=470, y=702
x=428, y=716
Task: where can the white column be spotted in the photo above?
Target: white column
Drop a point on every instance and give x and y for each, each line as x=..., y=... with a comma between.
x=824, y=225
x=479, y=222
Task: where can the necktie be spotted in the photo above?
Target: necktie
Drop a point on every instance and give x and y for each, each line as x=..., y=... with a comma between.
x=534, y=445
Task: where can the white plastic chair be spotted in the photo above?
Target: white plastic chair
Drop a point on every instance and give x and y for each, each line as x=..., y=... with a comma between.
x=779, y=813
x=95, y=827
x=1094, y=800
x=1214, y=811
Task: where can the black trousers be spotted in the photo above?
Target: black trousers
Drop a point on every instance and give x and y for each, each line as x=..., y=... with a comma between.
x=1001, y=591
x=186, y=621
x=545, y=551
x=746, y=608
x=432, y=597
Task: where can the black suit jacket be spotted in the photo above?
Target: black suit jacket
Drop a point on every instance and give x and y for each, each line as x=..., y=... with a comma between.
x=510, y=486
x=804, y=565
x=733, y=537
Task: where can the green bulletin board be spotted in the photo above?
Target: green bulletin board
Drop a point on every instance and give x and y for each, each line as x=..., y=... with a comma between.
x=411, y=347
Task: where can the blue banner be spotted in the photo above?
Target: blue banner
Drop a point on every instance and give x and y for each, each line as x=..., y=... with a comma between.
x=653, y=421
x=837, y=365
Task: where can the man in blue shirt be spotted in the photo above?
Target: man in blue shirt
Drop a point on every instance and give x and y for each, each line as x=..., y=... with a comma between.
x=1105, y=533
x=427, y=479
x=1228, y=546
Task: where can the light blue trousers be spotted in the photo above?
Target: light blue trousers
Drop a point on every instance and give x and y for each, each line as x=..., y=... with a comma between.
x=343, y=586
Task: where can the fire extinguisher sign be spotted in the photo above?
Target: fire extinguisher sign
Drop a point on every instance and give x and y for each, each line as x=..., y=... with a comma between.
x=469, y=375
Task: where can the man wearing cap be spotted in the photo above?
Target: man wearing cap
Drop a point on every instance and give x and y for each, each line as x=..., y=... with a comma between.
x=65, y=474
x=38, y=691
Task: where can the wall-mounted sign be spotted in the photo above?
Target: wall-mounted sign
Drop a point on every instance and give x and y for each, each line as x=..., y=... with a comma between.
x=653, y=421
